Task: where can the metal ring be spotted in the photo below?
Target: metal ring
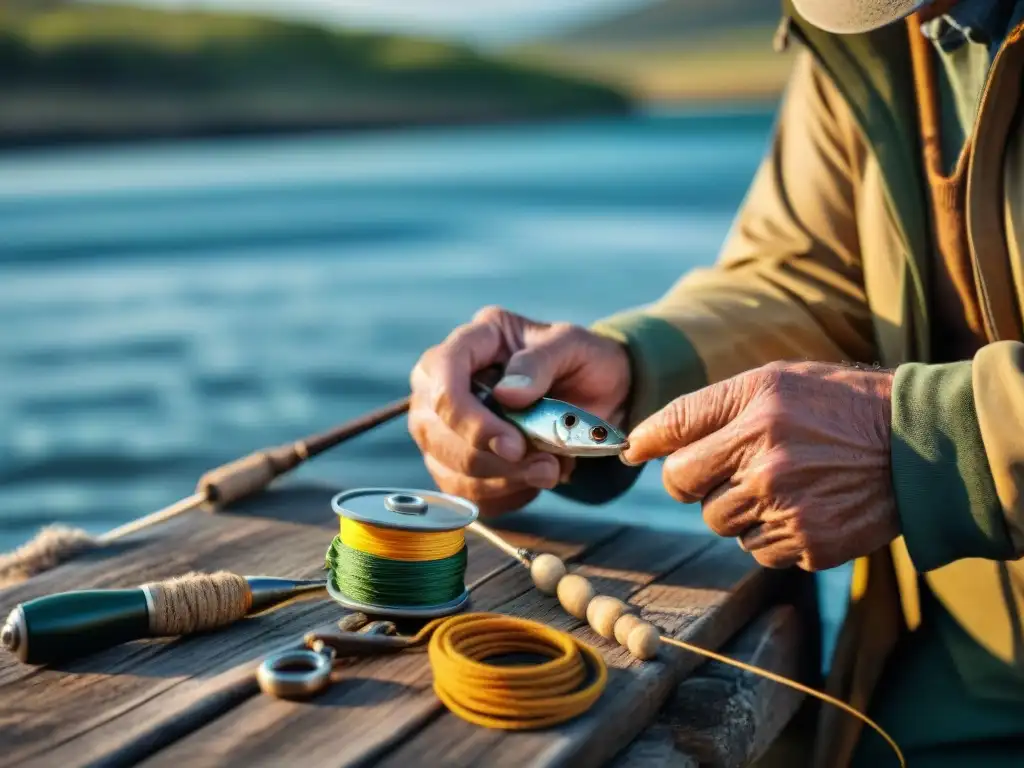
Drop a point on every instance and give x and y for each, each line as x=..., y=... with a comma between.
x=312, y=677
x=405, y=504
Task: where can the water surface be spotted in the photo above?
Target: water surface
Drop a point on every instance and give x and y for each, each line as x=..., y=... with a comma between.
x=168, y=307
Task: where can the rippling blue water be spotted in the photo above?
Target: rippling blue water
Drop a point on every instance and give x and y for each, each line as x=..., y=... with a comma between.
x=168, y=307
x=165, y=308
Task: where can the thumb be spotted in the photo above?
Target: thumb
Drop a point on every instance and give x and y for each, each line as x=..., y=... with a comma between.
x=531, y=372
x=685, y=420
x=528, y=376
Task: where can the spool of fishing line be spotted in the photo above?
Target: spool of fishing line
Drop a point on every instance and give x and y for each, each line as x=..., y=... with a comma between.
x=400, y=552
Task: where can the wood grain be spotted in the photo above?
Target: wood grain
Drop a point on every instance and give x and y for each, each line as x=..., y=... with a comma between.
x=383, y=711
x=120, y=705
x=724, y=717
x=704, y=591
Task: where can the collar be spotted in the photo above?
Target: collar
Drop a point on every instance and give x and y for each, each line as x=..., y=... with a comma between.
x=975, y=21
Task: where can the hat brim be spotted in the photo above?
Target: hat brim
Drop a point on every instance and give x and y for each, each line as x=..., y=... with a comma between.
x=855, y=16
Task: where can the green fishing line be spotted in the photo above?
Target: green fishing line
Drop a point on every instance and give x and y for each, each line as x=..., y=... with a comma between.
x=380, y=581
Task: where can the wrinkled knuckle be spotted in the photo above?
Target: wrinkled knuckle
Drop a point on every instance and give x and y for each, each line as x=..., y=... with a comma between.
x=771, y=420
x=767, y=479
x=674, y=490
x=440, y=400
x=677, y=493
x=473, y=432
x=563, y=330
x=492, y=313
x=715, y=522
x=674, y=420
x=420, y=376
x=770, y=377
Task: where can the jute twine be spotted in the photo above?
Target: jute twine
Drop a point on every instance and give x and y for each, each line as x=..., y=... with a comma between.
x=196, y=602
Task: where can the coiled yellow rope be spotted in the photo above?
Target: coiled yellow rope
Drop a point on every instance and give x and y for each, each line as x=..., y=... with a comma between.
x=416, y=546
x=519, y=697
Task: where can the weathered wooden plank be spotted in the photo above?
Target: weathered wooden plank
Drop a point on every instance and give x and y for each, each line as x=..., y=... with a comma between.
x=724, y=717
x=120, y=705
x=339, y=727
x=654, y=748
x=707, y=595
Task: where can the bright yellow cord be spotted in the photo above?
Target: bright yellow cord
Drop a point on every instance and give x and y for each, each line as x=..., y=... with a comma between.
x=511, y=697
x=401, y=545
x=792, y=684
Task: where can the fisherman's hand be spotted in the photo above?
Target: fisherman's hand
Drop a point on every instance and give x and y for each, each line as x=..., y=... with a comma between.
x=793, y=459
x=473, y=453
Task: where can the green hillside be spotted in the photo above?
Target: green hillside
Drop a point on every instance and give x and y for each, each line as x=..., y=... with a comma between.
x=676, y=20
x=671, y=50
x=95, y=70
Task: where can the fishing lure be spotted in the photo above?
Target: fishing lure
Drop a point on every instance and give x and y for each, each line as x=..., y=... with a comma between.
x=557, y=427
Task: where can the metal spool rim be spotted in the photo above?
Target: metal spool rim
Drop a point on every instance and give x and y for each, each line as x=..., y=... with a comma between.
x=398, y=509
x=400, y=611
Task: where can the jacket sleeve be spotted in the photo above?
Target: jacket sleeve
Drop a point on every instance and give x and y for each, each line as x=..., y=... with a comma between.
x=958, y=457
x=788, y=282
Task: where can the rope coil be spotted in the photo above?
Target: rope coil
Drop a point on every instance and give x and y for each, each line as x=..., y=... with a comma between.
x=520, y=697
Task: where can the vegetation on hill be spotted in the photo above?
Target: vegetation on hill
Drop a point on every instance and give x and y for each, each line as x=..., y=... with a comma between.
x=674, y=20
x=672, y=50
x=95, y=68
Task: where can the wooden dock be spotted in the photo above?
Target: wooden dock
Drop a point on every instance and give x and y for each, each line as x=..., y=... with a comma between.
x=194, y=701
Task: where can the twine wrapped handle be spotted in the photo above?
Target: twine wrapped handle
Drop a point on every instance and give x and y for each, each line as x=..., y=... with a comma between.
x=196, y=602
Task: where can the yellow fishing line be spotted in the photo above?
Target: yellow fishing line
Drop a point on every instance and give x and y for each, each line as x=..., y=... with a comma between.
x=520, y=697
x=775, y=678
x=414, y=546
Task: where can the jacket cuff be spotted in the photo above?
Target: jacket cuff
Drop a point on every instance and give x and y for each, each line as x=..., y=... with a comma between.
x=945, y=495
x=664, y=364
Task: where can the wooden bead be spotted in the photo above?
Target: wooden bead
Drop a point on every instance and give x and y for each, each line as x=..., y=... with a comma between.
x=644, y=640
x=624, y=625
x=546, y=571
x=603, y=612
x=575, y=594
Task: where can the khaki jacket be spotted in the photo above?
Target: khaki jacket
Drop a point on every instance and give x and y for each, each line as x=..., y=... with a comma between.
x=828, y=259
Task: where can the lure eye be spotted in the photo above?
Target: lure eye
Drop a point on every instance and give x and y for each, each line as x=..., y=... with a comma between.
x=569, y=420
x=598, y=434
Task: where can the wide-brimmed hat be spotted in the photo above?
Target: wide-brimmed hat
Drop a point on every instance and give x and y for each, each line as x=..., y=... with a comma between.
x=851, y=16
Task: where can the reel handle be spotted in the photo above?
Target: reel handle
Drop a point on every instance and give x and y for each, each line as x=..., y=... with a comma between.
x=60, y=626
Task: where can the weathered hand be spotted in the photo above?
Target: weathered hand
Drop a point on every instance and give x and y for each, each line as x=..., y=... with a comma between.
x=471, y=452
x=793, y=459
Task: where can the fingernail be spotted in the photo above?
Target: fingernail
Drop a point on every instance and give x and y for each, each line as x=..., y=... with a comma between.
x=627, y=462
x=515, y=381
x=542, y=474
x=506, y=447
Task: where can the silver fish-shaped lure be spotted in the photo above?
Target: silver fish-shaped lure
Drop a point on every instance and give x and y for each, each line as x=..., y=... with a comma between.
x=557, y=427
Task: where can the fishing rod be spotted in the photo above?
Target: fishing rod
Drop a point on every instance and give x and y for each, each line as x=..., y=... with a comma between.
x=216, y=489
x=578, y=433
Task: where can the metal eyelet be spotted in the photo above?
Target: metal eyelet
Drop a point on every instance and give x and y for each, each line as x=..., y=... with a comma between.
x=295, y=674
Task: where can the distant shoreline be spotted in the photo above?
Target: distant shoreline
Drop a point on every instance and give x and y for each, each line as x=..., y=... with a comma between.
x=117, y=131
x=53, y=138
